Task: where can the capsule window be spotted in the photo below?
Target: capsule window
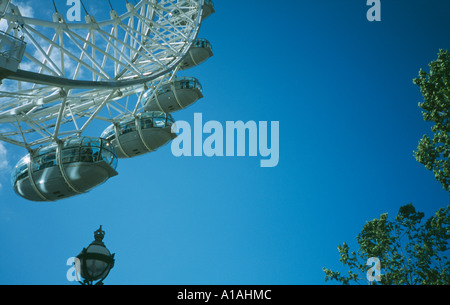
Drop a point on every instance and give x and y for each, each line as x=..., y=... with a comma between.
x=91, y=142
x=146, y=123
x=164, y=88
x=44, y=161
x=96, y=154
x=127, y=127
x=70, y=155
x=76, y=142
x=109, y=133
x=21, y=171
x=22, y=174
x=159, y=122
x=170, y=120
x=86, y=154
x=109, y=158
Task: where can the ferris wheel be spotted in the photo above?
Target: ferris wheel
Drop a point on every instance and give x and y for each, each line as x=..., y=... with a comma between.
x=59, y=77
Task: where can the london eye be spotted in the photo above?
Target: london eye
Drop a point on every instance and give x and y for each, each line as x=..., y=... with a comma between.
x=58, y=77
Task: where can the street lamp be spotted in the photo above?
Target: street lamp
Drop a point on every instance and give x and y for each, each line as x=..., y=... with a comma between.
x=95, y=261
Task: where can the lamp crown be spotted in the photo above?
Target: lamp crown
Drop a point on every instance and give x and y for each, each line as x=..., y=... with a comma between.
x=99, y=235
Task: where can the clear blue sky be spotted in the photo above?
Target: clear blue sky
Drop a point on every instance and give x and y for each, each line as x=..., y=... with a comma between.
x=341, y=88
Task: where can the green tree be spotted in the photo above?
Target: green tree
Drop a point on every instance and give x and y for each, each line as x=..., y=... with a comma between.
x=435, y=87
x=410, y=251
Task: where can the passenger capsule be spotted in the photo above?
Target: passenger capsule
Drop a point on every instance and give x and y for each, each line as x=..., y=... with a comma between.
x=208, y=9
x=136, y=136
x=174, y=95
x=200, y=51
x=61, y=170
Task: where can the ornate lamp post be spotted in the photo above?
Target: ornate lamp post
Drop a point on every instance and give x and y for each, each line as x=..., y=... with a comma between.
x=95, y=261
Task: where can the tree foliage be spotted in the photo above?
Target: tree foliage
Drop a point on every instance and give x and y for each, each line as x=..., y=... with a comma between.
x=435, y=88
x=410, y=250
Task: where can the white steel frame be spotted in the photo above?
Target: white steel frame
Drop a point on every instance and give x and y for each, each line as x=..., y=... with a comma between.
x=76, y=71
